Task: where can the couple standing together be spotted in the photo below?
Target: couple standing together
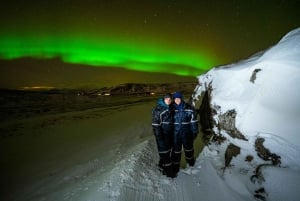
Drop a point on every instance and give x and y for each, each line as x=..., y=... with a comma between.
x=175, y=125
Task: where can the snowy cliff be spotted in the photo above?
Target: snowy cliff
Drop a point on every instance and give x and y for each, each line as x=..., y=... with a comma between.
x=254, y=107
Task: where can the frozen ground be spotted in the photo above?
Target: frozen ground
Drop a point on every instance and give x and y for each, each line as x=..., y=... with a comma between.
x=44, y=155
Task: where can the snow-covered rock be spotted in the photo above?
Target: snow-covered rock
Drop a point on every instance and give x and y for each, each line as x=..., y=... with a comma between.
x=264, y=94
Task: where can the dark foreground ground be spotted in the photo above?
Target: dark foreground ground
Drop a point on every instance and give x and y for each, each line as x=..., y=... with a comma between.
x=47, y=134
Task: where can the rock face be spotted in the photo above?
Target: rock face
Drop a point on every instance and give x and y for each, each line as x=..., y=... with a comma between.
x=264, y=153
x=253, y=76
x=227, y=123
x=205, y=112
x=231, y=151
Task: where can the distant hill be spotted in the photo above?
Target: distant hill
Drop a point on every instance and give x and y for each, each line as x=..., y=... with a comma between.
x=20, y=104
x=142, y=88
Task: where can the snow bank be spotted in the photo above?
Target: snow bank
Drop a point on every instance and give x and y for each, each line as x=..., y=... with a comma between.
x=270, y=104
x=264, y=91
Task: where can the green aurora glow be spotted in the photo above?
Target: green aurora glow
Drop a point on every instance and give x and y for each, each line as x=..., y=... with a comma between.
x=107, y=52
x=179, y=38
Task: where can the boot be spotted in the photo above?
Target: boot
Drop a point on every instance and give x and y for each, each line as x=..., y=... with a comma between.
x=175, y=168
x=191, y=162
x=169, y=171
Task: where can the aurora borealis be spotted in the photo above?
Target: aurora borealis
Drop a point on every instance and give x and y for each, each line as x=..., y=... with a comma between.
x=183, y=38
x=105, y=53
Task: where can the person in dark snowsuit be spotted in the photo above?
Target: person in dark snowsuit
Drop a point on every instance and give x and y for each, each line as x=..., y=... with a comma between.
x=162, y=124
x=185, y=131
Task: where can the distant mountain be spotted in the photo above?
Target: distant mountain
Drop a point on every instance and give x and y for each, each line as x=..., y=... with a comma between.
x=143, y=88
x=20, y=104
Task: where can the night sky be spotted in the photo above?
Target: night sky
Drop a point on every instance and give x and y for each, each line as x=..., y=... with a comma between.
x=170, y=40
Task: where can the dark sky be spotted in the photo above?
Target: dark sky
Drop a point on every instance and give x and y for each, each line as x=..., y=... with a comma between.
x=177, y=37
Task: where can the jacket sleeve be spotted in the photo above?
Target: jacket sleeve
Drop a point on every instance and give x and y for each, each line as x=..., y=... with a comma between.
x=194, y=123
x=156, y=122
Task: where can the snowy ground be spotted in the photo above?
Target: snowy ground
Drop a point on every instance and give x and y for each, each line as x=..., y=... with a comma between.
x=46, y=156
x=101, y=154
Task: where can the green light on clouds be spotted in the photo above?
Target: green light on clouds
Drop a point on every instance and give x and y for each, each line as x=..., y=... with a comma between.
x=109, y=52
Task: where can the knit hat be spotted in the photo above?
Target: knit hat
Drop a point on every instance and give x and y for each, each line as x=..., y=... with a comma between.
x=168, y=95
x=177, y=95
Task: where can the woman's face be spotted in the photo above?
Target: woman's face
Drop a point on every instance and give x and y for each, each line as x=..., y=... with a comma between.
x=168, y=101
x=177, y=101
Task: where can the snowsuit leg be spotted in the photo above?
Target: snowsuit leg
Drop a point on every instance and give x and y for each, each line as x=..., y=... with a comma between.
x=164, y=151
x=176, y=153
x=189, y=149
x=166, y=163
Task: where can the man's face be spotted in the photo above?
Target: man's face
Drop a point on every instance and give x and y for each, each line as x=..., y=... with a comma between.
x=177, y=101
x=168, y=101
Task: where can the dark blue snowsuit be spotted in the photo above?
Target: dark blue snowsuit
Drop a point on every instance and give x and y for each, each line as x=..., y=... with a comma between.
x=185, y=131
x=162, y=124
